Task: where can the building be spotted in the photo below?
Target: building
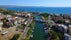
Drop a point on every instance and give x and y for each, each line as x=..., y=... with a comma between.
x=62, y=28
x=67, y=37
x=69, y=29
x=1, y=23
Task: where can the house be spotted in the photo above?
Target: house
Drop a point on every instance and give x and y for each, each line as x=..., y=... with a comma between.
x=67, y=22
x=67, y=36
x=17, y=13
x=1, y=23
x=69, y=29
x=62, y=28
x=21, y=20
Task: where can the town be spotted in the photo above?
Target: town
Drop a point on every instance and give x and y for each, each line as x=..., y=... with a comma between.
x=16, y=25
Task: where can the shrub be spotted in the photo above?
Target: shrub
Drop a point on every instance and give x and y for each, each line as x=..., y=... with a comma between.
x=15, y=37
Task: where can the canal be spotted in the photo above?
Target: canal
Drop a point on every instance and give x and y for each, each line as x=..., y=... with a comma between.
x=38, y=32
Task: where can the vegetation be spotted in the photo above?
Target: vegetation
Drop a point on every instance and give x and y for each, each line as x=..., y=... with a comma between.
x=1, y=10
x=70, y=23
x=4, y=22
x=10, y=12
x=60, y=35
x=15, y=37
x=60, y=21
x=30, y=31
x=44, y=15
x=4, y=11
x=22, y=27
x=48, y=25
x=54, y=35
x=34, y=17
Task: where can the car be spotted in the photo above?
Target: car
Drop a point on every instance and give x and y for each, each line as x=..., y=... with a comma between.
x=4, y=32
x=17, y=29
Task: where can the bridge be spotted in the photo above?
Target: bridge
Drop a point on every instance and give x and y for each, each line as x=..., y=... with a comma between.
x=44, y=21
x=41, y=20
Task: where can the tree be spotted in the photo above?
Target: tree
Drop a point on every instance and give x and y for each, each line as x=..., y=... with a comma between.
x=15, y=37
x=60, y=21
x=60, y=35
x=1, y=10
x=8, y=12
x=44, y=14
x=70, y=23
x=54, y=35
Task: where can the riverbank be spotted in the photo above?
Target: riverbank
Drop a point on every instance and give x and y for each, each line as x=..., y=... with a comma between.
x=29, y=33
x=38, y=32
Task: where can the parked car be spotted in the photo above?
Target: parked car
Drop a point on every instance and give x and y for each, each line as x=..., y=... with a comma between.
x=4, y=32
x=17, y=29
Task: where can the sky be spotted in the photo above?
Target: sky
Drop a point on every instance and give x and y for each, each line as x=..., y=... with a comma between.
x=44, y=3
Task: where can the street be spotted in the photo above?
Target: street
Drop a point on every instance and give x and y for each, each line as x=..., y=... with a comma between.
x=23, y=35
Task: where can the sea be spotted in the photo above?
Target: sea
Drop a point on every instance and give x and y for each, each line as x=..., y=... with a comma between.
x=55, y=10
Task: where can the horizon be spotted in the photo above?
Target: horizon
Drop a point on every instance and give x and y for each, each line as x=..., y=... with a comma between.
x=26, y=6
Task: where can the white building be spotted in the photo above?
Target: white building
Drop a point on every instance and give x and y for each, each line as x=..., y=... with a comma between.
x=1, y=23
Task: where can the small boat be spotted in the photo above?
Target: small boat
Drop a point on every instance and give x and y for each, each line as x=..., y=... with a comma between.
x=31, y=36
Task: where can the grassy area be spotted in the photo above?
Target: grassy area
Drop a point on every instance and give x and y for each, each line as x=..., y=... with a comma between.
x=22, y=27
x=30, y=31
x=15, y=37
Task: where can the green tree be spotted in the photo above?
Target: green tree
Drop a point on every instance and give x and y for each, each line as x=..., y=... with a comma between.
x=54, y=35
x=44, y=15
x=8, y=12
x=60, y=35
x=15, y=37
x=60, y=21
x=70, y=23
x=1, y=10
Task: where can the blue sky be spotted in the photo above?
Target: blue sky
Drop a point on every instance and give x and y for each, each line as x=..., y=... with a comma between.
x=45, y=3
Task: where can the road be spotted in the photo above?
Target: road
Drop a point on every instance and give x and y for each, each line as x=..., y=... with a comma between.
x=23, y=35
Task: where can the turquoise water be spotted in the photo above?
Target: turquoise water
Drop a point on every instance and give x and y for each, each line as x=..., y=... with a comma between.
x=38, y=32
